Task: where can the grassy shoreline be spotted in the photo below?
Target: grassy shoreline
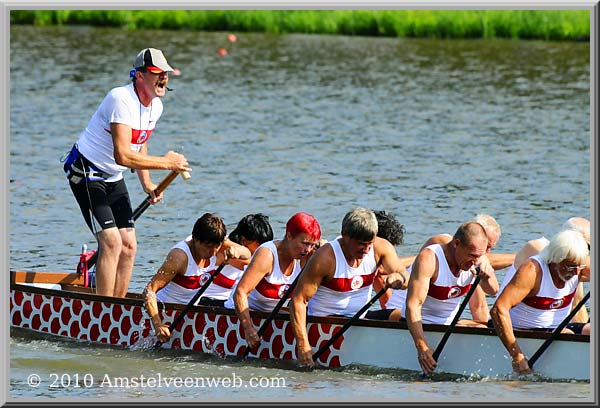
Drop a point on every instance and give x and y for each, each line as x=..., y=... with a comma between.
x=555, y=25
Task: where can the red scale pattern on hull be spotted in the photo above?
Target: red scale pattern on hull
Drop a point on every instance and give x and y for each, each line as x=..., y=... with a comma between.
x=96, y=310
x=65, y=316
x=17, y=299
x=187, y=337
x=85, y=318
x=36, y=323
x=37, y=302
x=76, y=308
x=46, y=312
x=74, y=330
x=56, y=304
x=125, y=325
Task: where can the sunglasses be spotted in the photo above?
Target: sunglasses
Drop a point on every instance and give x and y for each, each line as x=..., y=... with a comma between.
x=151, y=69
x=574, y=268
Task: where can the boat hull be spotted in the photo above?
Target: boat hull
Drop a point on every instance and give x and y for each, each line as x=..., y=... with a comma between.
x=124, y=322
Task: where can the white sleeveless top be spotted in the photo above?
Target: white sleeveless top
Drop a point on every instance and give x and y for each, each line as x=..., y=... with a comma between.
x=443, y=296
x=222, y=286
x=350, y=288
x=548, y=307
x=183, y=287
x=271, y=287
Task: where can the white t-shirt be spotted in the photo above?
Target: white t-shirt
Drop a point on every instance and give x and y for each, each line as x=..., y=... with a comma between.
x=121, y=105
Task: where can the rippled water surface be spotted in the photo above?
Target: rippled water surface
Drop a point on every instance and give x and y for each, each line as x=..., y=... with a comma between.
x=432, y=131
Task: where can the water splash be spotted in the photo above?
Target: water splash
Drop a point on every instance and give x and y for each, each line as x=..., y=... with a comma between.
x=144, y=343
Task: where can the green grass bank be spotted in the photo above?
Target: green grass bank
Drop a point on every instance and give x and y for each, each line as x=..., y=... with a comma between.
x=555, y=25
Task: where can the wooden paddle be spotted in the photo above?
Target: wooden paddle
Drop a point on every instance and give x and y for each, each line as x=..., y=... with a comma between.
x=146, y=203
x=191, y=303
x=557, y=331
x=159, y=189
x=346, y=326
x=442, y=343
x=275, y=310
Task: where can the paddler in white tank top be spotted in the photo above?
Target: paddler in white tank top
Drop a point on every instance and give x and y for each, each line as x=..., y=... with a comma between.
x=541, y=292
x=535, y=246
x=339, y=275
x=478, y=306
x=181, y=276
x=251, y=231
x=273, y=268
x=462, y=253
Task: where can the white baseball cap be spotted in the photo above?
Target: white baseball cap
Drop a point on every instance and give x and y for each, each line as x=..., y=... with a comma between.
x=153, y=60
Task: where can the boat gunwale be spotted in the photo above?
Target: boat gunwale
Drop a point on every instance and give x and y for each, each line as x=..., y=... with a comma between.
x=136, y=299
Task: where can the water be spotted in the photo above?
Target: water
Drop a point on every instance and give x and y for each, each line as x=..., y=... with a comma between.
x=431, y=131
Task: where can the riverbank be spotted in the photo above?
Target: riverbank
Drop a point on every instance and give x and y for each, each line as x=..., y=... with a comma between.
x=554, y=25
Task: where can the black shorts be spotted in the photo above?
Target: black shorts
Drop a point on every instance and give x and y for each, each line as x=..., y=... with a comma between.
x=211, y=302
x=109, y=202
x=576, y=327
x=382, y=314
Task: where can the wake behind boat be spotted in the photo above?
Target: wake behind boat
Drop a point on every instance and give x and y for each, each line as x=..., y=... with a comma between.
x=58, y=303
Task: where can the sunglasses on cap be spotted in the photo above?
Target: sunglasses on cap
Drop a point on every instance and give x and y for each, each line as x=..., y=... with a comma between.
x=154, y=70
x=150, y=68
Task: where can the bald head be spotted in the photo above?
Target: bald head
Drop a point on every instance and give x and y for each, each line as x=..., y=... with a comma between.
x=578, y=224
x=470, y=232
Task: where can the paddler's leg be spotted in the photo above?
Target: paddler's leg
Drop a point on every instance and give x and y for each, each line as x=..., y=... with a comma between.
x=586, y=329
x=123, y=215
x=94, y=200
x=126, y=260
x=109, y=247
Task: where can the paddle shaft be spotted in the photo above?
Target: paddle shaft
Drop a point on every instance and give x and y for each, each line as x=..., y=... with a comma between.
x=463, y=305
x=557, y=331
x=275, y=310
x=346, y=326
x=181, y=316
x=159, y=189
x=145, y=204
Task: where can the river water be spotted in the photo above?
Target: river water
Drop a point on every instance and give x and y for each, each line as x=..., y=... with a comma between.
x=431, y=131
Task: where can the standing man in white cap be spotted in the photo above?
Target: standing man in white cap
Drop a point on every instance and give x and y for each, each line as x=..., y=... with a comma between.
x=113, y=141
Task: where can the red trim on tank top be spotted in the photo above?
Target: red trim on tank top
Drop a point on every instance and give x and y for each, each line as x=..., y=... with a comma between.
x=546, y=303
x=447, y=292
x=345, y=284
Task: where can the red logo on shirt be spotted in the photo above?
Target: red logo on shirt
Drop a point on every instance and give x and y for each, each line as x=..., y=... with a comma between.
x=140, y=137
x=204, y=278
x=454, y=292
x=357, y=282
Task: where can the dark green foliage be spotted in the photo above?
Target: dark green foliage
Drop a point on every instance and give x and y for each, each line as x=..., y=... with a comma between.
x=569, y=25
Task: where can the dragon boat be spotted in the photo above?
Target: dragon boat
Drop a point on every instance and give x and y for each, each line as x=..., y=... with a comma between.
x=60, y=304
